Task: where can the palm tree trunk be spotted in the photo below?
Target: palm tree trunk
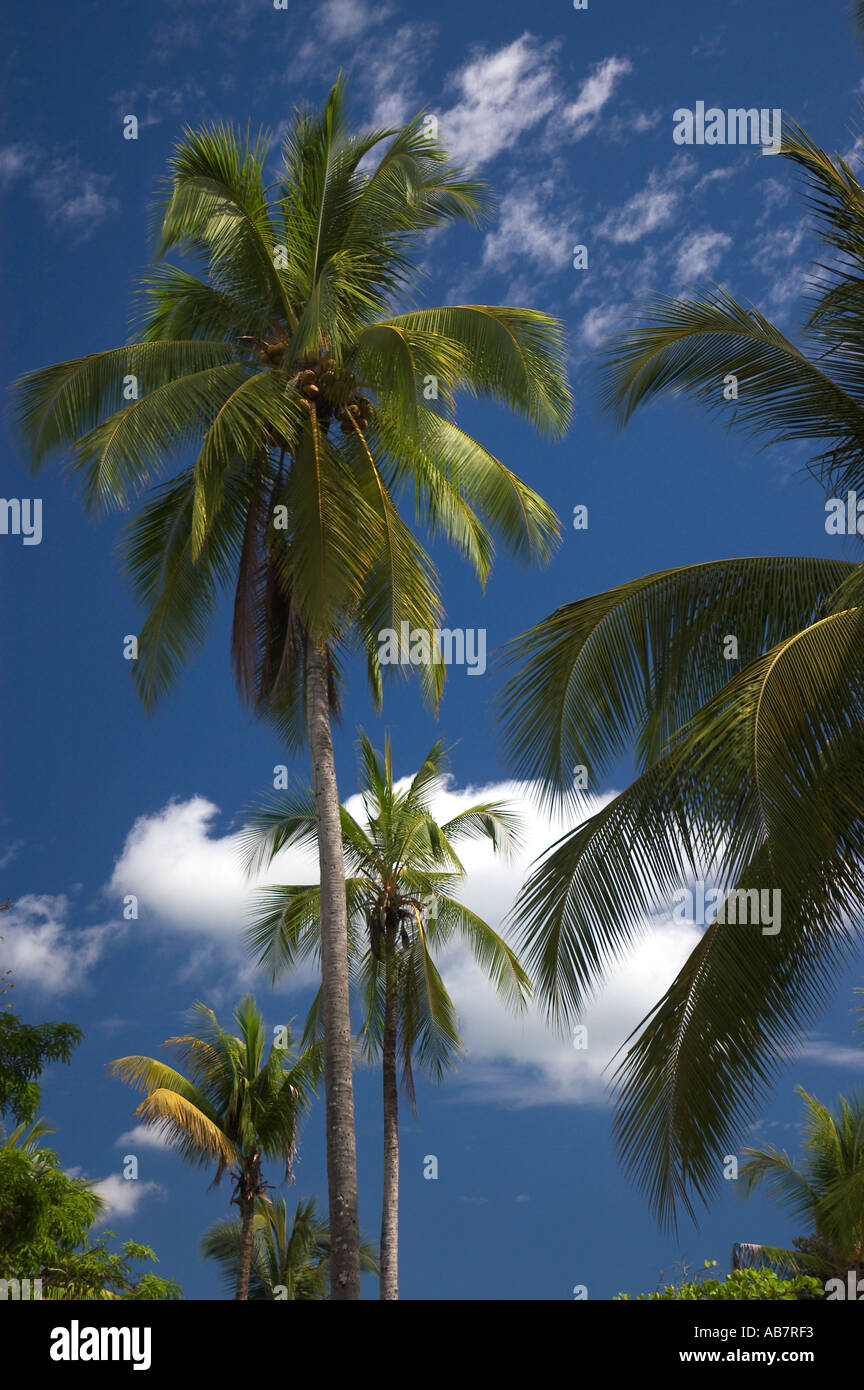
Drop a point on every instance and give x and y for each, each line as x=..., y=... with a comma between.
x=244, y=1257
x=338, y=1057
x=389, y=1278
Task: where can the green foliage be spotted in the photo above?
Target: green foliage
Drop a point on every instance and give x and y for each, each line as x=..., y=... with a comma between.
x=241, y=1099
x=283, y=364
x=749, y=769
x=741, y=1284
x=290, y=1258
x=826, y=1191
x=41, y=1210
x=403, y=868
x=45, y=1220
x=24, y=1050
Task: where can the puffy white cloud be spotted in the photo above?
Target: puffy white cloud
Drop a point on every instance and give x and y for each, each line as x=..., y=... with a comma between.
x=525, y=1062
x=142, y=1137
x=123, y=1196
x=190, y=883
x=43, y=950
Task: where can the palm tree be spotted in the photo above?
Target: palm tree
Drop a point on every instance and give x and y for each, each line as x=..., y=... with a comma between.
x=826, y=1192
x=312, y=408
x=238, y=1105
x=403, y=867
x=749, y=771
x=290, y=1259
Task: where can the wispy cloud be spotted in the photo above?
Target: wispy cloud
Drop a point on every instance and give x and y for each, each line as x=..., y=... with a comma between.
x=699, y=254
x=503, y=95
x=71, y=197
x=530, y=228
x=655, y=206
x=581, y=115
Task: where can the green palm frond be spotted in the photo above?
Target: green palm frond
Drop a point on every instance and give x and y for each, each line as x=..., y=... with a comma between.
x=638, y=661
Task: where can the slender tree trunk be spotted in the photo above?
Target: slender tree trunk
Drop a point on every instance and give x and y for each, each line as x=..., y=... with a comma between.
x=247, y=1190
x=338, y=1058
x=389, y=1279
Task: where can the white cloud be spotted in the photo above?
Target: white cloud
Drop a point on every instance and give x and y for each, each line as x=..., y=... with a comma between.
x=72, y=196
x=526, y=1063
x=700, y=253
x=511, y=91
x=345, y=22
x=601, y=322
x=718, y=176
x=10, y=853
x=124, y=1196
x=653, y=207
x=832, y=1054
x=581, y=115
x=41, y=948
x=14, y=160
x=503, y=95
x=190, y=880
x=142, y=1137
x=530, y=227
x=342, y=20
x=190, y=883
x=389, y=68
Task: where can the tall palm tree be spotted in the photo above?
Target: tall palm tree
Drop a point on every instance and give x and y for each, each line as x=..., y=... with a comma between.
x=310, y=408
x=403, y=868
x=238, y=1105
x=749, y=771
x=290, y=1257
x=826, y=1191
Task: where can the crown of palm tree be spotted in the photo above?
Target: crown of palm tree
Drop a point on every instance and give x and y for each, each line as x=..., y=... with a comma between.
x=750, y=772
x=403, y=867
x=238, y=1101
x=826, y=1191
x=286, y=331
x=290, y=1254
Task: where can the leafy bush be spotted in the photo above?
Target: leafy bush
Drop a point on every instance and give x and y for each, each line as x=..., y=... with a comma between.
x=740, y=1284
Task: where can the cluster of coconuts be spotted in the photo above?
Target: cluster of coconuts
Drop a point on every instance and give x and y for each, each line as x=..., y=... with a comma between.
x=329, y=388
x=332, y=393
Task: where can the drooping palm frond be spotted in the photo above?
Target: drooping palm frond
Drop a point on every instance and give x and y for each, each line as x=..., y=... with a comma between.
x=760, y=791
x=635, y=663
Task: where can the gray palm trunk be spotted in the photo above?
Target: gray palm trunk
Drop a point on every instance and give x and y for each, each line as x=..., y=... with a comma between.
x=244, y=1256
x=338, y=1053
x=389, y=1255
x=245, y=1195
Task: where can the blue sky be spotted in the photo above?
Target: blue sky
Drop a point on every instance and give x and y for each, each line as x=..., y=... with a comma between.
x=568, y=114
